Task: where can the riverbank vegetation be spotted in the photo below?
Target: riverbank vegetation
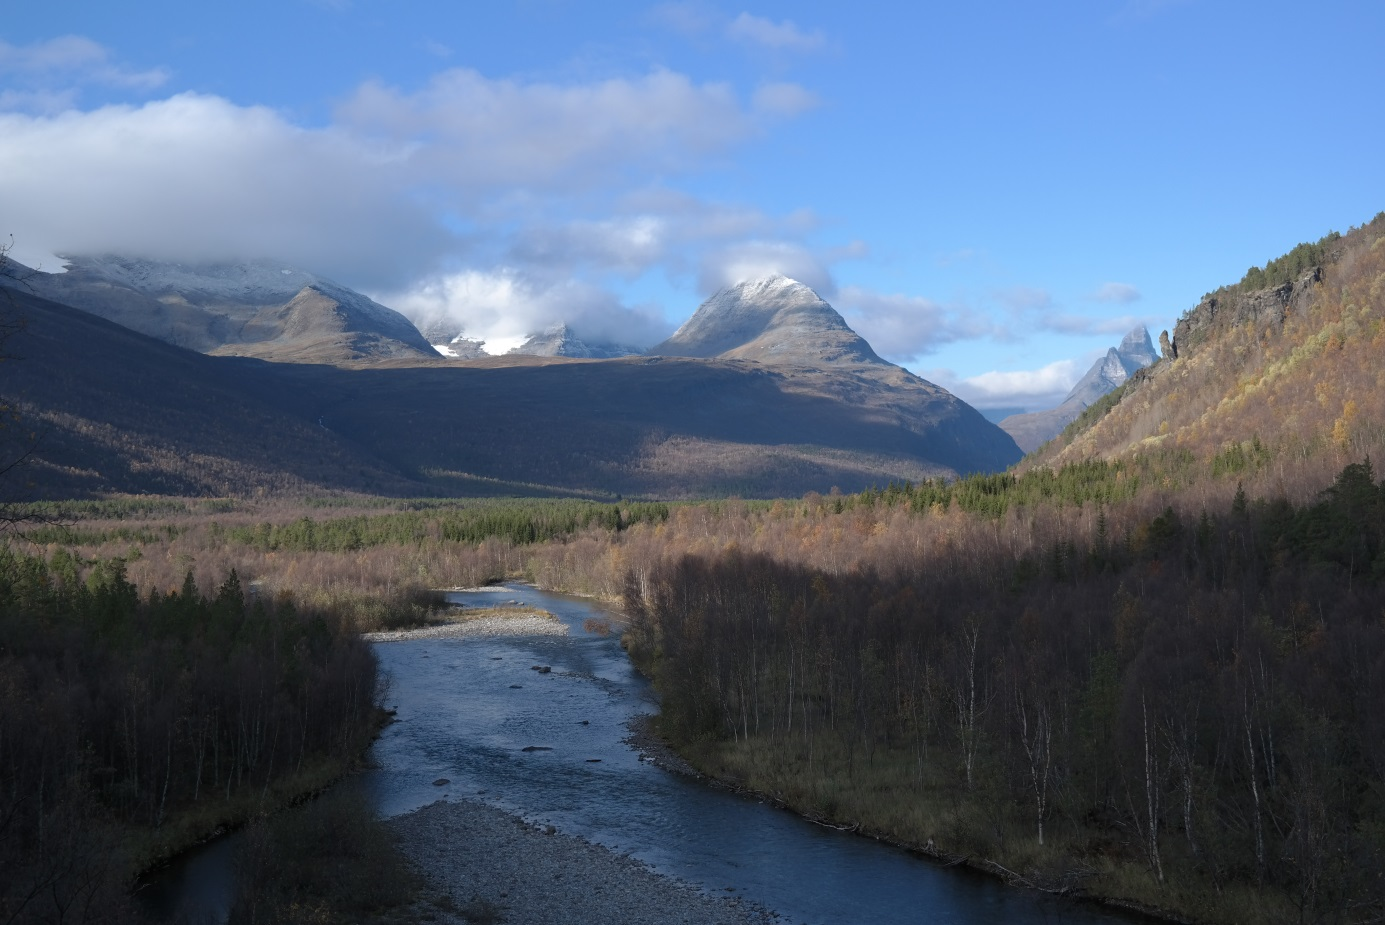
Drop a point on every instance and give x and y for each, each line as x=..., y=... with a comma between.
x=134, y=722
x=1079, y=679
x=330, y=860
x=1184, y=713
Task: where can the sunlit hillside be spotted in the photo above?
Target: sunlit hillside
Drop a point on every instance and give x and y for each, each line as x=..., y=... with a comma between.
x=1277, y=382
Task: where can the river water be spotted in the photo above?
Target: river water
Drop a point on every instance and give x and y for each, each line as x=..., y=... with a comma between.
x=467, y=709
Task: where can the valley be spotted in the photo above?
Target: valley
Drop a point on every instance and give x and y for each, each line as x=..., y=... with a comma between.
x=1140, y=667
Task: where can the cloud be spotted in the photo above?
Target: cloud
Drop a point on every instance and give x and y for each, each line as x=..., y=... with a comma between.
x=752, y=259
x=903, y=327
x=437, y=49
x=688, y=19
x=1034, y=309
x=658, y=227
x=784, y=99
x=469, y=130
x=952, y=258
x=514, y=201
x=783, y=36
x=629, y=245
x=1020, y=299
x=1122, y=293
x=1078, y=324
x=1031, y=389
x=47, y=76
x=196, y=178
x=504, y=305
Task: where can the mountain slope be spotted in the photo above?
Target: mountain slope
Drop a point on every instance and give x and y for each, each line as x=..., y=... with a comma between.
x=769, y=320
x=118, y=411
x=1036, y=428
x=784, y=325
x=559, y=341
x=253, y=309
x=1276, y=386
x=106, y=409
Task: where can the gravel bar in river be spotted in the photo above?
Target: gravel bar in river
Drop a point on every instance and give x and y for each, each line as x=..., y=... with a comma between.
x=501, y=868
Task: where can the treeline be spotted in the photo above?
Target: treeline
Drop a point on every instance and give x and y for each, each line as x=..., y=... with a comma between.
x=518, y=522
x=1290, y=266
x=1186, y=714
x=1092, y=481
x=130, y=724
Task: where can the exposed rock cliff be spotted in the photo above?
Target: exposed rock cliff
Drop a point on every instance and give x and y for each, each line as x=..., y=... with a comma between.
x=1267, y=307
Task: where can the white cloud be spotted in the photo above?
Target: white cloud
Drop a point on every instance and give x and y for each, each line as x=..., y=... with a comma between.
x=464, y=171
x=662, y=228
x=1031, y=389
x=470, y=130
x=78, y=58
x=1121, y=293
x=782, y=36
x=1025, y=299
x=503, y=306
x=1034, y=309
x=48, y=76
x=689, y=19
x=1061, y=323
x=784, y=99
x=753, y=259
x=196, y=177
x=628, y=245
x=903, y=327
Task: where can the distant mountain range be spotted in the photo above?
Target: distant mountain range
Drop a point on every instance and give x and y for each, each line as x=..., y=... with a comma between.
x=259, y=309
x=356, y=399
x=1036, y=428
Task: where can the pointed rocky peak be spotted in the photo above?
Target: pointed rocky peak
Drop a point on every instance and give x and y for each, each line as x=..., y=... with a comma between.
x=1136, y=350
x=773, y=319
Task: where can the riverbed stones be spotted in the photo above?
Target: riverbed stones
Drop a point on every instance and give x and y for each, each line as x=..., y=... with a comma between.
x=520, y=623
x=469, y=849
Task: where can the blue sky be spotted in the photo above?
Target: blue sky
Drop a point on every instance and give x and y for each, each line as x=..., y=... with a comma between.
x=991, y=193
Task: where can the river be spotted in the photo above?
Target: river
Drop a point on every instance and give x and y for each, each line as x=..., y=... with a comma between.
x=468, y=708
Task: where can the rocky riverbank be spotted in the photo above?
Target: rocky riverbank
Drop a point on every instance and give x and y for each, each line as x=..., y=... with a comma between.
x=485, y=865
x=519, y=623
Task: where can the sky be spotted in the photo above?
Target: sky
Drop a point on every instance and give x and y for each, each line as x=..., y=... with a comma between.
x=992, y=193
